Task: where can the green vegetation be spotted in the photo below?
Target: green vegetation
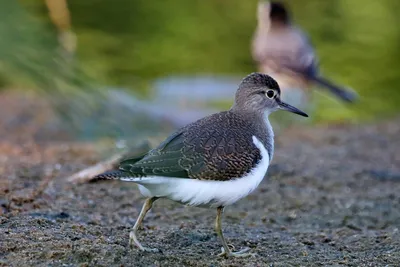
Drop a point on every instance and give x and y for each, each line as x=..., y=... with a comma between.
x=129, y=43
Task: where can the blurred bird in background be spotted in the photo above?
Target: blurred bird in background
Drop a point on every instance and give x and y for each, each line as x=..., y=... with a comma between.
x=283, y=51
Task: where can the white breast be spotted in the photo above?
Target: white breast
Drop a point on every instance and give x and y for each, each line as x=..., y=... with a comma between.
x=206, y=193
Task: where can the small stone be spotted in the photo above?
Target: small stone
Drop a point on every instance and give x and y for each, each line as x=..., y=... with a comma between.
x=308, y=242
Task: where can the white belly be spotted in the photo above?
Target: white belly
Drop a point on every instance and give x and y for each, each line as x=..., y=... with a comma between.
x=203, y=192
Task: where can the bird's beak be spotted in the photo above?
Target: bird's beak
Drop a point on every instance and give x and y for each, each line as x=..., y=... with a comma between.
x=287, y=107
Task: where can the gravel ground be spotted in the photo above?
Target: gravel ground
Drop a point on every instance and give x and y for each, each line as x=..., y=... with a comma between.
x=331, y=199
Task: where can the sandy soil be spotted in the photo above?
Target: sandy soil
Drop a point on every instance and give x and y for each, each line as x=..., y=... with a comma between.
x=331, y=199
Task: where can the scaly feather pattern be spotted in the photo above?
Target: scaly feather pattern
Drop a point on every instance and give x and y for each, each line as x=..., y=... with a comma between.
x=213, y=148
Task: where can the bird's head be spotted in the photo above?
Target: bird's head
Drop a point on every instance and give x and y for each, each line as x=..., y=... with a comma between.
x=273, y=11
x=260, y=94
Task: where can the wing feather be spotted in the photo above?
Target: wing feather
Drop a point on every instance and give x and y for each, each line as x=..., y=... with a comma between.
x=209, y=149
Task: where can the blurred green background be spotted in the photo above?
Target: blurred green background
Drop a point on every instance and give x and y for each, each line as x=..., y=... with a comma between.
x=131, y=43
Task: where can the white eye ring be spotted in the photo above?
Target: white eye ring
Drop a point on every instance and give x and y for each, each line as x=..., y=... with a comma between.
x=270, y=94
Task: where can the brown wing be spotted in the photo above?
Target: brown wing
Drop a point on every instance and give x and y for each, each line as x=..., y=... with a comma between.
x=214, y=148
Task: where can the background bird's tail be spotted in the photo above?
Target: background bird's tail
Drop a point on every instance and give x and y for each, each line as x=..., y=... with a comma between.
x=344, y=94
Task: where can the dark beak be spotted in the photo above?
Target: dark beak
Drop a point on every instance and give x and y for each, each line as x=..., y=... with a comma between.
x=287, y=107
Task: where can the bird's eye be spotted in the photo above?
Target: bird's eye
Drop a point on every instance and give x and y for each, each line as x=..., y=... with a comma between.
x=270, y=93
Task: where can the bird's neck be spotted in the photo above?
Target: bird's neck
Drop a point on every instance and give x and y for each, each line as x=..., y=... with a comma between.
x=268, y=138
x=279, y=26
x=247, y=110
x=260, y=122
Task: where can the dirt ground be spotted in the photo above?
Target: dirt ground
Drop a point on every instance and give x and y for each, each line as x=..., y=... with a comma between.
x=331, y=199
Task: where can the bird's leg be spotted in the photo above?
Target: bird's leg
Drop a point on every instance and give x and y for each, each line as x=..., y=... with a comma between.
x=132, y=235
x=226, y=252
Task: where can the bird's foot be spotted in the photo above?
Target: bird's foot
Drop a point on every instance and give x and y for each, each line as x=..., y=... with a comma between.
x=240, y=253
x=133, y=242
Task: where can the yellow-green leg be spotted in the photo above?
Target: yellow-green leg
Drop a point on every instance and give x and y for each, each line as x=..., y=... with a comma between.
x=132, y=235
x=226, y=252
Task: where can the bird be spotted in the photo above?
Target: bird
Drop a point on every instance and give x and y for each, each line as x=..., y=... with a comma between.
x=212, y=162
x=283, y=50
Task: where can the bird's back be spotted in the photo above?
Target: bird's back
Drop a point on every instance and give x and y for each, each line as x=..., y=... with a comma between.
x=218, y=147
x=286, y=54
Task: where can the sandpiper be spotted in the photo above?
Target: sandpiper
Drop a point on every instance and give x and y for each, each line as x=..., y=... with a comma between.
x=214, y=161
x=283, y=51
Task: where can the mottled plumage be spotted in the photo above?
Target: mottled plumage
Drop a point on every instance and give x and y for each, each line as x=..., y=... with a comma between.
x=213, y=148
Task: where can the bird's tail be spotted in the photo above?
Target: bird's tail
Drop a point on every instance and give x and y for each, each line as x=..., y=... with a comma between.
x=344, y=94
x=115, y=175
